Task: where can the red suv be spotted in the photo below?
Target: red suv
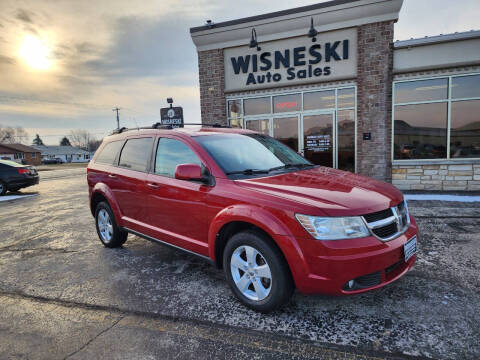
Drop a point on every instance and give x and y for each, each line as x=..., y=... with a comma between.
x=246, y=202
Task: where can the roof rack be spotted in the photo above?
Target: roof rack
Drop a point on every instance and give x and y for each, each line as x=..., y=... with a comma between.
x=159, y=125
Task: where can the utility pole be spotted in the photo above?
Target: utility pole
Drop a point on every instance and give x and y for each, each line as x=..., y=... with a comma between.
x=118, y=119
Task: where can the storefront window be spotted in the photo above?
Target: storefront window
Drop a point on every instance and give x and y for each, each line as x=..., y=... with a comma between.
x=257, y=106
x=319, y=100
x=287, y=103
x=466, y=87
x=465, y=129
x=235, y=109
x=236, y=123
x=421, y=120
x=258, y=125
x=346, y=98
x=317, y=113
x=422, y=90
x=346, y=140
x=421, y=131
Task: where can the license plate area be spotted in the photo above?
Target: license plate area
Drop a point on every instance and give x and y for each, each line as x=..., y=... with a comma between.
x=410, y=248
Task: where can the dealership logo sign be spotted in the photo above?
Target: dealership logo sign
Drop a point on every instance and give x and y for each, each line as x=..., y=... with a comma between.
x=292, y=61
x=172, y=116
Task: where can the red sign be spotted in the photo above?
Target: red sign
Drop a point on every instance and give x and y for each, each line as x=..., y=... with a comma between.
x=287, y=104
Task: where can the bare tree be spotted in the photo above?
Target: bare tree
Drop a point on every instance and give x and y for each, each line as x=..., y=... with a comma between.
x=81, y=138
x=12, y=135
x=94, y=145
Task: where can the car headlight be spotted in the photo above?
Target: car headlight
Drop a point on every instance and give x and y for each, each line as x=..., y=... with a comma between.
x=333, y=228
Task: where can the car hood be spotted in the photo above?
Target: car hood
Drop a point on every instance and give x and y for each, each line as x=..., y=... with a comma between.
x=333, y=192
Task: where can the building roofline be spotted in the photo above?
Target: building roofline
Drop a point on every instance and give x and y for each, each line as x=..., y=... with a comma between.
x=271, y=15
x=437, y=39
x=19, y=147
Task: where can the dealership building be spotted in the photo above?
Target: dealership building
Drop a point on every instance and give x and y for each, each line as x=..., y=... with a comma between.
x=329, y=81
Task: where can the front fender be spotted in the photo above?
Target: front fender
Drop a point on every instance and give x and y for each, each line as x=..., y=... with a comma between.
x=266, y=221
x=106, y=192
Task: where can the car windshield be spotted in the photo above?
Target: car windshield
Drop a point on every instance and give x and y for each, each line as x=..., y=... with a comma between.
x=251, y=154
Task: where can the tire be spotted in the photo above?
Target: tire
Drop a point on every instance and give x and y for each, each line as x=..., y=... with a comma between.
x=259, y=292
x=109, y=233
x=3, y=188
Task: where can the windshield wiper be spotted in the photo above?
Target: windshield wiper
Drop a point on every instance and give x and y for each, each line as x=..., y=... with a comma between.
x=288, y=166
x=248, y=172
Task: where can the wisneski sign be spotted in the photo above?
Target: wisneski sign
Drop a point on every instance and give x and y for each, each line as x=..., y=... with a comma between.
x=292, y=61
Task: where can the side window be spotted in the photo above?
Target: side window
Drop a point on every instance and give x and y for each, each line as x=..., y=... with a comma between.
x=170, y=153
x=109, y=152
x=136, y=153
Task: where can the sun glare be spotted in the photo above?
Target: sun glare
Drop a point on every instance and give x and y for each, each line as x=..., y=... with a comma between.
x=35, y=53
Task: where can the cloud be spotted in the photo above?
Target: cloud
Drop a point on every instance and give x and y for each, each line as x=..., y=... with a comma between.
x=6, y=60
x=144, y=46
x=24, y=15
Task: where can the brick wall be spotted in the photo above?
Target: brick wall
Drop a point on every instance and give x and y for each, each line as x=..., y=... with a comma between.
x=37, y=160
x=212, y=83
x=456, y=177
x=374, y=96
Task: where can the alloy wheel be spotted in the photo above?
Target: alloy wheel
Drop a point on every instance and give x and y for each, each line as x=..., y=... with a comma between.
x=251, y=273
x=105, y=225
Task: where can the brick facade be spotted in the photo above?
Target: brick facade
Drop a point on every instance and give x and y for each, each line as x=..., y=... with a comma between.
x=212, y=84
x=13, y=152
x=374, y=97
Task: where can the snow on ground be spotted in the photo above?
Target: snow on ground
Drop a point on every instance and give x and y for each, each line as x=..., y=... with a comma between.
x=14, y=197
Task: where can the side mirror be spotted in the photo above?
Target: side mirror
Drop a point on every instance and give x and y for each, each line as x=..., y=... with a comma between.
x=188, y=172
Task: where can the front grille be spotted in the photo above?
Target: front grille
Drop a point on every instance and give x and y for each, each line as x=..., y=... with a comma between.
x=385, y=224
x=386, y=231
x=379, y=215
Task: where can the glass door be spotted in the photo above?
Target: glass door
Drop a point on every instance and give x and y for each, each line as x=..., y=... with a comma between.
x=285, y=130
x=318, y=144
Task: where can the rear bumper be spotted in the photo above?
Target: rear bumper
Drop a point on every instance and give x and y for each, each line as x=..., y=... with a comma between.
x=326, y=267
x=25, y=182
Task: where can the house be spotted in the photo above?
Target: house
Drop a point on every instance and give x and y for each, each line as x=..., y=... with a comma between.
x=20, y=153
x=65, y=153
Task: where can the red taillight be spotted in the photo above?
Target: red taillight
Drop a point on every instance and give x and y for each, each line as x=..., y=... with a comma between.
x=23, y=171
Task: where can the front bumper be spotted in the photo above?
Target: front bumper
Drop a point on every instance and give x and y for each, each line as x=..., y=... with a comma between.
x=326, y=266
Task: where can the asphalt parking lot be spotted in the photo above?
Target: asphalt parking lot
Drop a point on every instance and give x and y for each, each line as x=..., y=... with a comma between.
x=63, y=295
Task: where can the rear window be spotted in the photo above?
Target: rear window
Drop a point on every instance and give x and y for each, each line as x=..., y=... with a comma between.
x=108, y=154
x=136, y=153
x=10, y=163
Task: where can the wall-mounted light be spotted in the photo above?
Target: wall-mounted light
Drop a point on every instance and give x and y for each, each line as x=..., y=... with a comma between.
x=312, y=32
x=253, y=40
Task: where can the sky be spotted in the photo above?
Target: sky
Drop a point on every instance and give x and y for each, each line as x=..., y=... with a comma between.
x=65, y=64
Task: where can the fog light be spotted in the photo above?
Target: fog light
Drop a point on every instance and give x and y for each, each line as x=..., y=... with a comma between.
x=351, y=283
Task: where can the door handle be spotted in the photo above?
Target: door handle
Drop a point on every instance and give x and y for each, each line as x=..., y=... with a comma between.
x=112, y=176
x=153, y=186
